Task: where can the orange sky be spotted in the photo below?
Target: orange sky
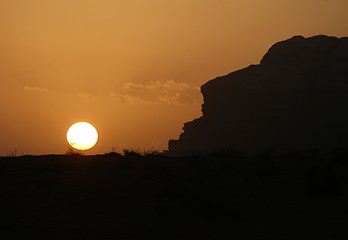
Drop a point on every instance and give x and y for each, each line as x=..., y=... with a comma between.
x=132, y=68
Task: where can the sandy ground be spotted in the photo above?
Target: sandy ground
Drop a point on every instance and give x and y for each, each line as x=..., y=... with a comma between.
x=153, y=197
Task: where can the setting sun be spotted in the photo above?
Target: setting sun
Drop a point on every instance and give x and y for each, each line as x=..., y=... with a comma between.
x=82, y=136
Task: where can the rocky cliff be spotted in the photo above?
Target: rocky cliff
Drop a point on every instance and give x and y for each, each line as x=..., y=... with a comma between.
x=295, y=99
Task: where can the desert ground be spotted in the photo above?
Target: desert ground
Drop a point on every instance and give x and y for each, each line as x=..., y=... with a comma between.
x=224, y=195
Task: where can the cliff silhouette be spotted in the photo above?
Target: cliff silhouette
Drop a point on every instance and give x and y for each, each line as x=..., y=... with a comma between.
x=295, y=99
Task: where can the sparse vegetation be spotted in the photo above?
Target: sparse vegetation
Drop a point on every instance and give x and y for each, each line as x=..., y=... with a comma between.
x=131, y=153
x=72, y=151
x=13, y=153
x=151, y=152
x=214, y=190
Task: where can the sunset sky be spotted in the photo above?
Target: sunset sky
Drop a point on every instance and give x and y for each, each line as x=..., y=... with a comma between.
x=132, y=68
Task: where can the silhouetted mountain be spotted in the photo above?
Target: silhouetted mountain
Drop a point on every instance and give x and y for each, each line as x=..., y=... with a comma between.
x=296, y=98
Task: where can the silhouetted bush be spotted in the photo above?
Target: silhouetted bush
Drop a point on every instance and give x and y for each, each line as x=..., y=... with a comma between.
x=131, y=153
x=151, y=152
x=112, y=154
x=72, y=151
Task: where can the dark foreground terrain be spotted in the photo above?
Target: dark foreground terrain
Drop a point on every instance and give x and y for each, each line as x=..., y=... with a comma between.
x=223, y=196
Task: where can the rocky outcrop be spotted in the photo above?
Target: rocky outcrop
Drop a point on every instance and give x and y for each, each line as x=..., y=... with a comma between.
x=295, y=99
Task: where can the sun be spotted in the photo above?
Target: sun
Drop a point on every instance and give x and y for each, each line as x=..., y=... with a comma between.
x=82, y=136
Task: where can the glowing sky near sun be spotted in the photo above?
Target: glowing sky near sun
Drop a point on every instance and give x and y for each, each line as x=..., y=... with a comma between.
x=132, y=68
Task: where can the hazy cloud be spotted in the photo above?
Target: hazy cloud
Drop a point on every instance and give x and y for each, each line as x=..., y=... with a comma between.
x=178, y=98
x=168, y=92
x=86, y=96
x=157, y=85
x=35, y=89
x=127, y=99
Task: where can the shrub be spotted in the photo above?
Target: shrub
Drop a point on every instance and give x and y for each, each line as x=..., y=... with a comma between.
x=131, y=153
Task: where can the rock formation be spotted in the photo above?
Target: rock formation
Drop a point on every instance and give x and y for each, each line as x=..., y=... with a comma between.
x=295, y=99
